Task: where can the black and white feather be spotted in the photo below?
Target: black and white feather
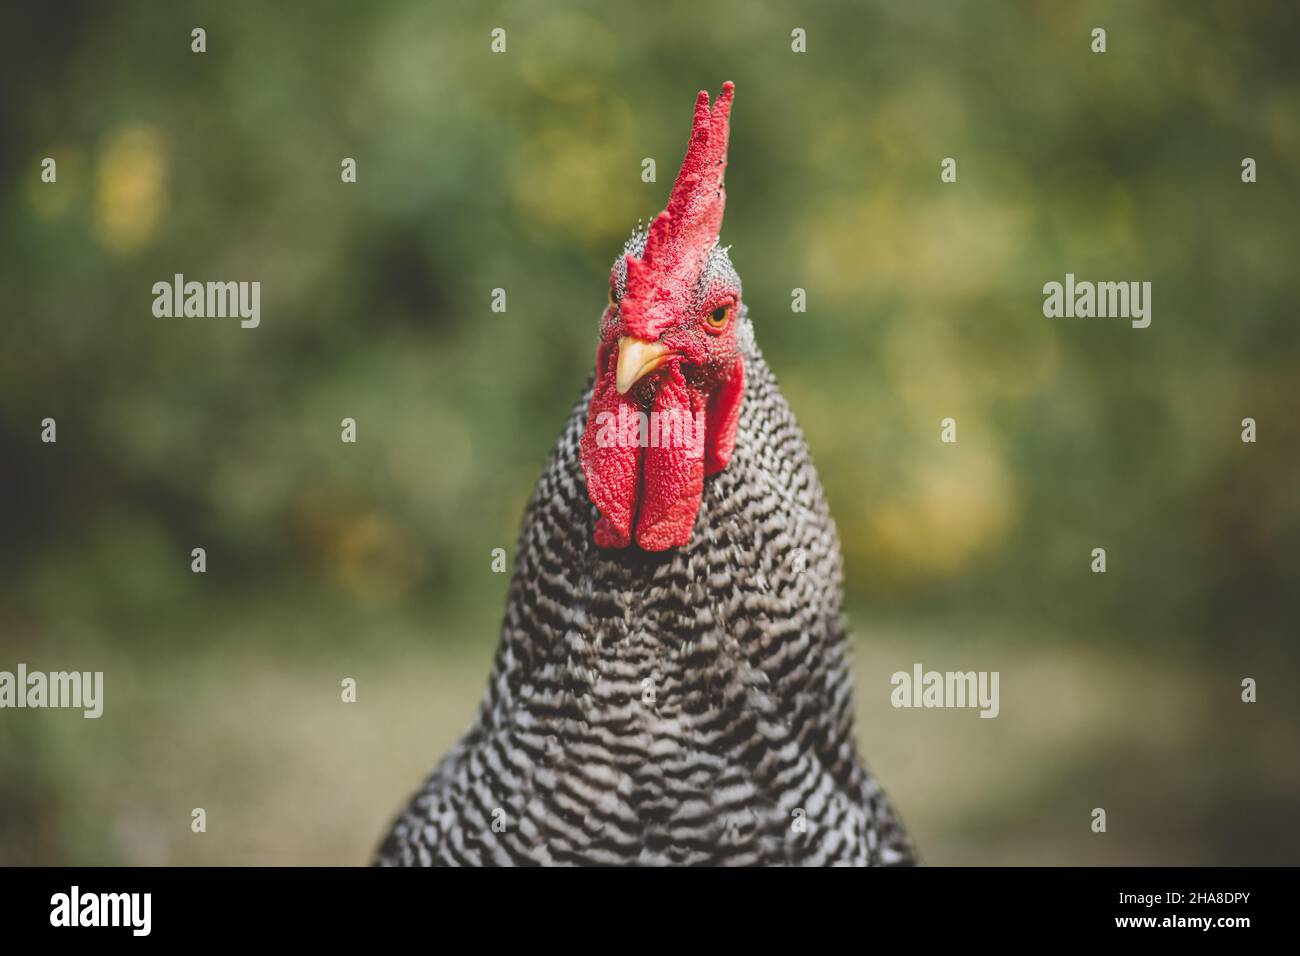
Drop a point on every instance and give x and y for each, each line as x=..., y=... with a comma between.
x=693, y=706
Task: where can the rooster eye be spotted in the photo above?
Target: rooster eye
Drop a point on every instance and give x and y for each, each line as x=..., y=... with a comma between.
x=719, y=316
x=613, y=296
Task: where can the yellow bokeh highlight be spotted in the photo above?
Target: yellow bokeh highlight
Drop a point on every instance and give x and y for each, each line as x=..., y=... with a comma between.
x=944, y=518
x=129, y=188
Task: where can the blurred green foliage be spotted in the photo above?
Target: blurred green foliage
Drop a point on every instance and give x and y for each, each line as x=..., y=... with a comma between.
x=522, y=171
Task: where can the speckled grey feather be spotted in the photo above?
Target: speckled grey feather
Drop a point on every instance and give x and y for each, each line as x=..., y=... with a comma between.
x=685, y=707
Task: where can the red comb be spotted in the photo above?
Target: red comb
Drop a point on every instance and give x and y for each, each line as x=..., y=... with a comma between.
x=682, y=235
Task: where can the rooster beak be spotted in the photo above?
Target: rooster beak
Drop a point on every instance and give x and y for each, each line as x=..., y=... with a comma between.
x=636, y=359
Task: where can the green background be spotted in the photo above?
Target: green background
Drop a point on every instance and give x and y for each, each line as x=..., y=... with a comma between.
x=523, y=171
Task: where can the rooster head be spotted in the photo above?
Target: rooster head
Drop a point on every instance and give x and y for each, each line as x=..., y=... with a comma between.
x=669, y=374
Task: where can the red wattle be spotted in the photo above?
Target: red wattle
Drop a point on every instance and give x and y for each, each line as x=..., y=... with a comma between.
x=672, y=472
x=723, y=420
x=610, y=454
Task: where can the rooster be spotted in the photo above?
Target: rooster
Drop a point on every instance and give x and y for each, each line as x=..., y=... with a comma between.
x=671, y=684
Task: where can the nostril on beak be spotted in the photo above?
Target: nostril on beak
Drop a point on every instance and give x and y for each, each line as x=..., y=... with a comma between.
x=637, y=358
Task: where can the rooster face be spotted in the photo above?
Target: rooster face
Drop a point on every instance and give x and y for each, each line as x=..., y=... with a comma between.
x=698, y=339
x=669, y=374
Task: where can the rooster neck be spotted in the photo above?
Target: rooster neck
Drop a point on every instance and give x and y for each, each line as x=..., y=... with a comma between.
x=670, y=707
x=764, y=548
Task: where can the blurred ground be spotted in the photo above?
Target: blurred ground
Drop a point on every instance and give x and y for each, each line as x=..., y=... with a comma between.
x=288, y=775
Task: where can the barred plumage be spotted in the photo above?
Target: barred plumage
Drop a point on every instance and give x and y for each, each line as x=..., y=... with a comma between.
x=690, y=706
